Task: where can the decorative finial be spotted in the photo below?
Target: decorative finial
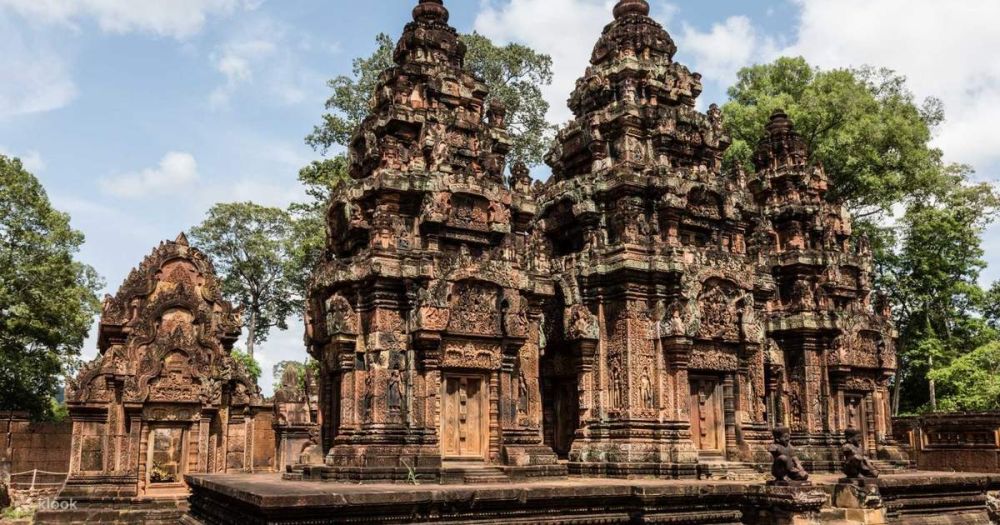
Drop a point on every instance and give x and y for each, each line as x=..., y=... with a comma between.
x=182, y=240
x=431, y=11
x=779, y=122
x=631, y=7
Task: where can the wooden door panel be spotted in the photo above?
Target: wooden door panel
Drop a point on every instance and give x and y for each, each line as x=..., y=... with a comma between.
x=706, y=414
x=463, y=421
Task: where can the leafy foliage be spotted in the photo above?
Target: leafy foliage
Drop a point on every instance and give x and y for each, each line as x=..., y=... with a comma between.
x=251, y=247
x=248, y=362
x=351, y=94
x=515, y=75
x=308, y=237
x=47, y=298
x=932, y=276
x=971, y=382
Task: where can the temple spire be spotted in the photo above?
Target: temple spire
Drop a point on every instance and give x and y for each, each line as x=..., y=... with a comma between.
x=631, y=7
x=182, y=240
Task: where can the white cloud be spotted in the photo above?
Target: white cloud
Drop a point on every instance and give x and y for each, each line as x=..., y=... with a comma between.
x=720, y=52
x=265, y=54
x=179, y=19
x=235, y=60
x=946, y=51
x=176, y=172
x=564, y=29
x=31, y=159
x=35, y=78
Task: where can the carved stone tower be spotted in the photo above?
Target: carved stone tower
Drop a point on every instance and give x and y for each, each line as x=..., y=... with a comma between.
x=425, y=316
x=832, y=353
x=164, y=398
x=663, y=332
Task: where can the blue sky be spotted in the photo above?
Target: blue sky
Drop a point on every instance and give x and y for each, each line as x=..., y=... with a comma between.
x=139, y=115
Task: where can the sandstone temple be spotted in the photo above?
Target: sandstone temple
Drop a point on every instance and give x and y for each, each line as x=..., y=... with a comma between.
x=642, y=312
x=164, y=398
x=640, y=338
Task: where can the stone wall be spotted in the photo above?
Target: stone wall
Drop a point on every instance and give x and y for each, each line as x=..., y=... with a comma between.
x=46, y=446
x=963, y=442
x=42, y=446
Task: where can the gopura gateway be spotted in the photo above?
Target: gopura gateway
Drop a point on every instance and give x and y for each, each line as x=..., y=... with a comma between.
x=643, y=312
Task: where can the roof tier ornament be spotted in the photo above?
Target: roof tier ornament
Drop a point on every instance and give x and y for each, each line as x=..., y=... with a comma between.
x=631, y=7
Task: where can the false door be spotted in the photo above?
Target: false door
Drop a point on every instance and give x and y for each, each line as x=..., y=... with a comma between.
x=464, y=425
x=565, y=415
x=706, y=415
x=855, y=416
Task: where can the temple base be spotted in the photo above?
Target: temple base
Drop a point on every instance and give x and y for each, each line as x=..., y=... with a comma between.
x=915, y=498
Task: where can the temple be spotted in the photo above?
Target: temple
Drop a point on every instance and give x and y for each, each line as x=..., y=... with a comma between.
x=643, y=312
x=164, y=397
x=426, y=317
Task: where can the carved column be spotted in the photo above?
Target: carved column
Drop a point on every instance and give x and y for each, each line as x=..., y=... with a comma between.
x=729, y=415
x=203, y=442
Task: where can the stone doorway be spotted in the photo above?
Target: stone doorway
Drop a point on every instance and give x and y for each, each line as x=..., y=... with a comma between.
x=166, y=459
x=465, y=417
x=707, y=423
x=565, y=415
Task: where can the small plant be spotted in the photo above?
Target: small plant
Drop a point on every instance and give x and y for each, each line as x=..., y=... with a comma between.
x=17, y=513
x=158, y=474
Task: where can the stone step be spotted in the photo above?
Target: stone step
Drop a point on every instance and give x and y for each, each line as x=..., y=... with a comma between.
x=730, y=470
x=473, y=475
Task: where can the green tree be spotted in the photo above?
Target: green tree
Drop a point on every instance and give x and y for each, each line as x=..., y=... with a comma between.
x=250, y=246
x=864, y=125
x=932, y=276
x=972, y=381
x=348, y=105
x=513, y=73
x=47, y=297
x=249, y=363
x=309, y=219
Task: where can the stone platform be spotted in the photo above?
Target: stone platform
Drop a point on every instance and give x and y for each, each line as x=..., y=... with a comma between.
x=913, y=499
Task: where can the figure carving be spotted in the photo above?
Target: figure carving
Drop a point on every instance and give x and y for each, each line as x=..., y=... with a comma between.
x=856, y=466
x=786, y=467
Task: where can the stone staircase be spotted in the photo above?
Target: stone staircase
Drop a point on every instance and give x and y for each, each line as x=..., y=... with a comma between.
x=892, y=467
x=472, y=474
x=720, y=469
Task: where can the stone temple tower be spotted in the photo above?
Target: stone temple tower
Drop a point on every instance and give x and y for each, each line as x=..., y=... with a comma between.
x=425, y=316
x=664, y=335
x=831, y=350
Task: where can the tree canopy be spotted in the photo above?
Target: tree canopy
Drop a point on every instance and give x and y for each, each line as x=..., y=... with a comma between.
x=250, y=246
x=48, y=299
